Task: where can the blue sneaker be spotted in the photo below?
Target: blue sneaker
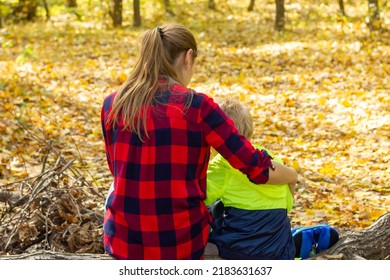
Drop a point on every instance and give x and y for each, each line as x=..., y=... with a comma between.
x=311, y=240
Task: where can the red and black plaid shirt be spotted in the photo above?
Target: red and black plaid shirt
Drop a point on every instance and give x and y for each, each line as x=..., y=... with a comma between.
x=157, y=209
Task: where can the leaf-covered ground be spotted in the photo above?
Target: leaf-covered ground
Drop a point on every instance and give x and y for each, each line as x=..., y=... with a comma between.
x=319, y=94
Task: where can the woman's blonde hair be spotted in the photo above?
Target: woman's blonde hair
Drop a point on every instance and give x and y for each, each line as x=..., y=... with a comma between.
x=160, y=48
x=240, y=114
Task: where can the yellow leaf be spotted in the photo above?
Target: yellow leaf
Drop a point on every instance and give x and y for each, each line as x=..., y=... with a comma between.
x=8, y=106
x=309, y=212
x=327, y=169
x=277, y=79
x=327, y=82
x=321, y=101
x=17, y=91
x=122, y=78
x=295, y=165
x=346, y=103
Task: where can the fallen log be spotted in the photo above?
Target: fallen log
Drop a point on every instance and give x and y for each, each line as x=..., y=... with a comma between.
x=372, y=243
x=211, y=253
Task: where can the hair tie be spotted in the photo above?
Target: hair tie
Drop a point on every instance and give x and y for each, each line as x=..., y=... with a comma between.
x=160, y=31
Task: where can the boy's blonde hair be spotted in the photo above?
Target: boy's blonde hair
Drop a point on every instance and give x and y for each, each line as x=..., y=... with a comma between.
x=240, y=114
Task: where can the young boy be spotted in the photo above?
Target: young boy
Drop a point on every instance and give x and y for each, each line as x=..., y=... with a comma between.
x=250, y=221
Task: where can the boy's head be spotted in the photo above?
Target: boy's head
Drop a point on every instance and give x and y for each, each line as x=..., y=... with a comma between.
x=240, y=114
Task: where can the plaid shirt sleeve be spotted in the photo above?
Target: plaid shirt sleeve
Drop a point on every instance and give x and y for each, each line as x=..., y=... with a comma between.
x=156, y=210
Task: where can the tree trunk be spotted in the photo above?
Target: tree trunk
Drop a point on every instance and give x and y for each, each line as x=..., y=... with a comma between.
x=211, y=4
x=32, y=6
x=72, y=3
x=46, y=9
x=342, y=9
x=168, y=7
x=251, y=5
x=279, y=19
x=1, y=19
x=373, y=15
x=137, y=13
x=117, y=13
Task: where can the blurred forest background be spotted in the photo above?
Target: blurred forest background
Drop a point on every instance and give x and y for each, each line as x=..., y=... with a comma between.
x=315, y=74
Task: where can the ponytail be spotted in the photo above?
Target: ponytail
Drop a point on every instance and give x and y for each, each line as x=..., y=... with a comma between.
x=159, y=49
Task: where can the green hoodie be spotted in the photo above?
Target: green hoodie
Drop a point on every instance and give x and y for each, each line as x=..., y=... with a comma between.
x=235, y=190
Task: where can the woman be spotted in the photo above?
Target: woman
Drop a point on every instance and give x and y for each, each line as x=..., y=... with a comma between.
x=158, y=135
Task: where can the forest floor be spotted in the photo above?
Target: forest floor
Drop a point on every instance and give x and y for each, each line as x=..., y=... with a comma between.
x=318, y=92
